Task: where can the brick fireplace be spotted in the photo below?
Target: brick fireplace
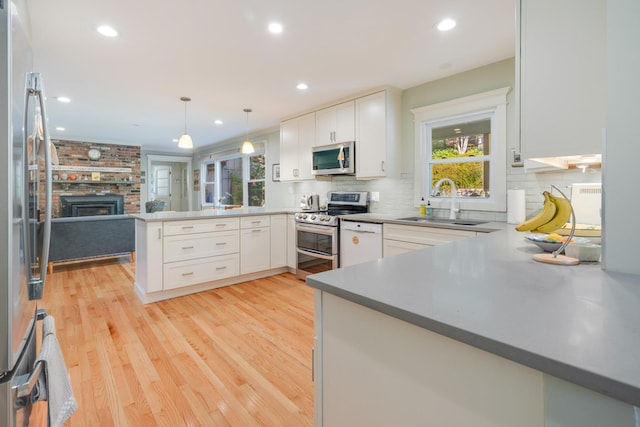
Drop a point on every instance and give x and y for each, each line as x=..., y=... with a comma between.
x=118, y=173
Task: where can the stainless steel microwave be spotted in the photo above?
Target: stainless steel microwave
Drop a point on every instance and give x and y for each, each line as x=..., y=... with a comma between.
x=335, y=159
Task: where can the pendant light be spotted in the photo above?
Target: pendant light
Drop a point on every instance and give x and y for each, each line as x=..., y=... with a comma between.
x=247, y=146
x=185, y=140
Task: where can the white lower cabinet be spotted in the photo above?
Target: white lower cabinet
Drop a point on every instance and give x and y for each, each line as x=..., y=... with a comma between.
x=255, y=249
x=396, y=247
x=291, y=242
x=192, y=246
x=148, y=257
x=399, y=238
x=181, y=257
x=191, y=272
x=375, y=370
x=278, y=237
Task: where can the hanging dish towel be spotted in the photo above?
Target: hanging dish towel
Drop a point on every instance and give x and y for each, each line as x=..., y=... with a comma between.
x=53, y=385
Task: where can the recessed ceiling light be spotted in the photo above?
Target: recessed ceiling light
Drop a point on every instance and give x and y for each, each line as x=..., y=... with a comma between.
x=302, y=86
x=446, y=24
x=218, y=122
x=60, y=128
x=63, y=99
x=107, y=31
x=275, y=28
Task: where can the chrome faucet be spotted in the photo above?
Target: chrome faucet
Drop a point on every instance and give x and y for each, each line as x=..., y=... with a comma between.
x=452, y=214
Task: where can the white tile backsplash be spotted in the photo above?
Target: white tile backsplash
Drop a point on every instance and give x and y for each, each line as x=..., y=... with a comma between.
x=396, y=194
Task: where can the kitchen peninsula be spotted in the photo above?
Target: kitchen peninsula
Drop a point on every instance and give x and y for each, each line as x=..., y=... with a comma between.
x=178, y=253
x=475, y=332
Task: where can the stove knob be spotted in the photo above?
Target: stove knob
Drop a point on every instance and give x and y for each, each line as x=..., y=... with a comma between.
x=326, y=218
x=303, y=216
x=313, y=217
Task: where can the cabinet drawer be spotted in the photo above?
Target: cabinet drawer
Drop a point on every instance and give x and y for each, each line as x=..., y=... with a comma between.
x=192, y=246
x=423, y=235
x=187, y=273
x=397, y=247
x=254, y=221
x=173, y=228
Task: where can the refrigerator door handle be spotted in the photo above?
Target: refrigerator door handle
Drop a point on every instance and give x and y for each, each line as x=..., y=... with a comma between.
x=35, y=87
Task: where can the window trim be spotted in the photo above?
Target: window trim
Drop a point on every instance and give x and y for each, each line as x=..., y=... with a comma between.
x=494, y=101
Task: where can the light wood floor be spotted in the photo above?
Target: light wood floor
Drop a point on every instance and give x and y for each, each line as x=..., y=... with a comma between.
x=235, y=356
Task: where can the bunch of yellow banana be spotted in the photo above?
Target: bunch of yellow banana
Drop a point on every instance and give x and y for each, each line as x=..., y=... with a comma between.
x=554, y=214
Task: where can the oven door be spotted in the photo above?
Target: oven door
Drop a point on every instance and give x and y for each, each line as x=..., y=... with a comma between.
x=317, y=249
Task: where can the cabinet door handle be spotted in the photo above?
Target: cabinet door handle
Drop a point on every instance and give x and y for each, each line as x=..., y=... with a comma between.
x=382, y=166
x=221, y=268
x=221, y=225
x=187, y=227
x=159, y=233
x=188, y=274
x=184, y=248
x=256, y=231
x=221, y=243
x=256, y=222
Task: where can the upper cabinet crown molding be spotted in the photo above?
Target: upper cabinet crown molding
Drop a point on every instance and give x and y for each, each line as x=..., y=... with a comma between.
x=561, y=77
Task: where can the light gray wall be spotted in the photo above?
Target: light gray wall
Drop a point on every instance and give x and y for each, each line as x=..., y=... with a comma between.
x=621, y=202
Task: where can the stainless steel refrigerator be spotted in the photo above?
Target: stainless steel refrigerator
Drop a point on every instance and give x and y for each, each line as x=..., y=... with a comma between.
x=24, y=213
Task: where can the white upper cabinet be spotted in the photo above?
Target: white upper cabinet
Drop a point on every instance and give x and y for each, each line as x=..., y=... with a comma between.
x=297, y=136
x=562, y=77
x=377, y=134
x=335, y=124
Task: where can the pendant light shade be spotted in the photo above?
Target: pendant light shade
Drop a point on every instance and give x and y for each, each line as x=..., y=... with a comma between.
x=247, y=146
x=185, y=140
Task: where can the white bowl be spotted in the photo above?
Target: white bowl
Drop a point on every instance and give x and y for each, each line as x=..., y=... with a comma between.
x=539, y=239
x=585, y=252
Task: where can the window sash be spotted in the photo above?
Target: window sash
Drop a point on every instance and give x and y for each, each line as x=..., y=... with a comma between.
x=218, y=182
x=463, y=109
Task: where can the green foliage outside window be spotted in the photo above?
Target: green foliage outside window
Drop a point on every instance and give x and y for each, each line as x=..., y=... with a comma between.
x=469, y=177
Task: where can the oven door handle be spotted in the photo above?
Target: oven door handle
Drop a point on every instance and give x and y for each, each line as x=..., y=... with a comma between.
x=318, y=229
x=316, y=254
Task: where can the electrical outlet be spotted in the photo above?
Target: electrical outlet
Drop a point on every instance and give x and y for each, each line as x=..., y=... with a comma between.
x=517, y=161
x=375, y=196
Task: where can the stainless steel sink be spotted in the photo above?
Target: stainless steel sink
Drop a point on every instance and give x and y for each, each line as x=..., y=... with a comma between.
x=423, y=220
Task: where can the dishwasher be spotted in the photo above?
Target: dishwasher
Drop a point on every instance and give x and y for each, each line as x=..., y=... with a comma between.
x=359, y=242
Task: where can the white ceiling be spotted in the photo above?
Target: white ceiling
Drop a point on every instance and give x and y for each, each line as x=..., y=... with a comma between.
x=127, y=90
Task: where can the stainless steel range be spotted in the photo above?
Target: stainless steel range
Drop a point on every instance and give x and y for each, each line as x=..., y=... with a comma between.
x=317, y=232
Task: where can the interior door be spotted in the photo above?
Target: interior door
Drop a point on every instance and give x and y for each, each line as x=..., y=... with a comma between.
x=162, y=185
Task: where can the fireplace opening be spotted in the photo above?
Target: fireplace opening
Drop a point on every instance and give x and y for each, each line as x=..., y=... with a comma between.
x=90, y=205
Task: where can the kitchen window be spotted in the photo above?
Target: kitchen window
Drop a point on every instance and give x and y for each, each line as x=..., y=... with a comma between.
x=464, y=140
x=234, y=179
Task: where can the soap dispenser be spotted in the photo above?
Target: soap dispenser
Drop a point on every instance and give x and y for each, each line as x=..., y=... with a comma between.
x=423, y=208
x=429, y=210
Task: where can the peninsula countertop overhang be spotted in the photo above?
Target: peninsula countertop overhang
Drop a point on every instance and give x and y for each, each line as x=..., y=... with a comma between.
x=578, y=323
x=210, y=213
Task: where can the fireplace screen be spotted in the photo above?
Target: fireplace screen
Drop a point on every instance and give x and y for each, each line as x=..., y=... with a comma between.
x=109, y=204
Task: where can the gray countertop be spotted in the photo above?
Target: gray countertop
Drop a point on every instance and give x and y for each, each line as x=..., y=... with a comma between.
x=578, y=323
x=210, y=213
